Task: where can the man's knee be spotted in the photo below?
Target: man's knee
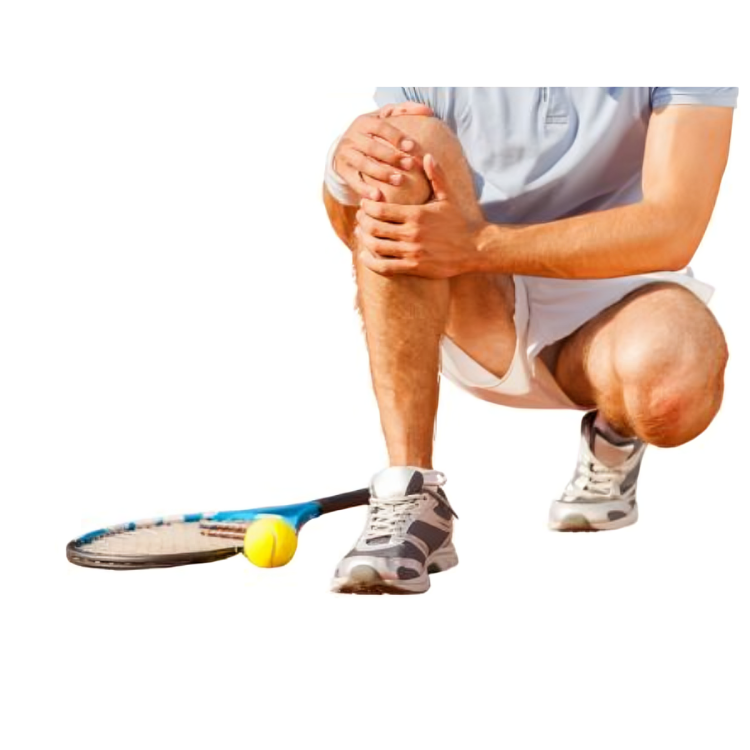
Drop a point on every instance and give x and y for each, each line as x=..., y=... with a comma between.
x=413, y=190
x=673, y=415
x=430, y=135
x=671, y=388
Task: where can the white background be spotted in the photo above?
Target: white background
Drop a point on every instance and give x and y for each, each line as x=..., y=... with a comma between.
x=177, y=334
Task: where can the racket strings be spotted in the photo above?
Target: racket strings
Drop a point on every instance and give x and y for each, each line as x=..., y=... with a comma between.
x=167, y=539
x=225, y=529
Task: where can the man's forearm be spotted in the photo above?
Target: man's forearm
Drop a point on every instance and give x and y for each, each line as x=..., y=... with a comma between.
x=639, y=238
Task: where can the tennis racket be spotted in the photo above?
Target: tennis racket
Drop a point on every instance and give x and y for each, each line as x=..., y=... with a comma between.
x=193, y=537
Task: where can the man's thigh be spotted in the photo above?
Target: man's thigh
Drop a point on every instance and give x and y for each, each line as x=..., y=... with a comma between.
x=481, y=319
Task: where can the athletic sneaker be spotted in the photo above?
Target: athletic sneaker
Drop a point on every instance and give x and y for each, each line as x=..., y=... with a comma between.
x=601, y=495
x=408, y=535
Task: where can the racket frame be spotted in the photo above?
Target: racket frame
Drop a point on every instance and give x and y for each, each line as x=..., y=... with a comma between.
x=78, y=554
x=296, y=514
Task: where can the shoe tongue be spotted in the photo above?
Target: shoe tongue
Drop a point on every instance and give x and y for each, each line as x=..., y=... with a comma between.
x=610, y=449
x=608, y=453
x=397, y=481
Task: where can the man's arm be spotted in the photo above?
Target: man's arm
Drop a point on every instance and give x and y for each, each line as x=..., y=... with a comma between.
x=686, y=152
x=685, y=155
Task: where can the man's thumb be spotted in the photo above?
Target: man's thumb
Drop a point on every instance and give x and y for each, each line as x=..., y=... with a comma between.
x=436, y=177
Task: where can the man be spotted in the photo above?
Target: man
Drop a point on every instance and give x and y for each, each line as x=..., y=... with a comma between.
x=531, y=244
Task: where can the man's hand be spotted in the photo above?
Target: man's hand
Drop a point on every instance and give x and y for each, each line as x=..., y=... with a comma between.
x=374, y=148
x=436, y=240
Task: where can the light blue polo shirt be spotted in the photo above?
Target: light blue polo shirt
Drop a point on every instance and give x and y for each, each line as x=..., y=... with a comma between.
x=540, y=154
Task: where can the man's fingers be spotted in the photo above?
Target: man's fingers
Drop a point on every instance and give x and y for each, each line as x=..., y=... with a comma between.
x=379, y=150
x=393, y=212
x=371, y=167
x=382, y=248
x=386, y=266
x=405, y=108
x=386, y=111
x=382, y=229
x=373, y=125
x=353, y=178
x=373, y=148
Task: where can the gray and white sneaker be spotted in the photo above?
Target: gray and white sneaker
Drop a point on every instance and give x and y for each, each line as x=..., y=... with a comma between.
x=408, y=535
x=601, y=495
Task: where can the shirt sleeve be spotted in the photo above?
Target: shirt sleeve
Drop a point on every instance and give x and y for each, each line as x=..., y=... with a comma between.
x=661, y=97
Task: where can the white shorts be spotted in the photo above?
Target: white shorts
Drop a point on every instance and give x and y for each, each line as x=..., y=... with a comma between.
x=547, y=311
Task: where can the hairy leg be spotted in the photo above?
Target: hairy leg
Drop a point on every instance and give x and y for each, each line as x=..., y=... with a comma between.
x=405, y=317
x=653, y=364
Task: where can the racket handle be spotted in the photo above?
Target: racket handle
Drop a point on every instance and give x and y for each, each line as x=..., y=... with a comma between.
x=345, y=500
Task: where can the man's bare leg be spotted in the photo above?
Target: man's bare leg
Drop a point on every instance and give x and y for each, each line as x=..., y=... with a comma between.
x=408, y=534
x=404, y=319
x=653, y=364
x=405, y=316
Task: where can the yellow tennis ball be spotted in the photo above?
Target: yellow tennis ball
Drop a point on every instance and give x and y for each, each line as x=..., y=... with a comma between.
x=270, y=542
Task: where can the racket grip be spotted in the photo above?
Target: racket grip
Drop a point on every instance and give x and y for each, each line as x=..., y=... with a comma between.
x=345, y=500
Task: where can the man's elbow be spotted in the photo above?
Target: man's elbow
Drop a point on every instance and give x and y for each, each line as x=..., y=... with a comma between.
x=682, y=236
x=679, y=250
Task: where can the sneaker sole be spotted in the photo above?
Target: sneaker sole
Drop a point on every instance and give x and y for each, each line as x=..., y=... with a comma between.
x=364, y=579
x=577, y=521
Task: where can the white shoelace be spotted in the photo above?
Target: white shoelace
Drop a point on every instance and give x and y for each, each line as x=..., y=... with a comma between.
x=388, y=516
x=593, y=481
